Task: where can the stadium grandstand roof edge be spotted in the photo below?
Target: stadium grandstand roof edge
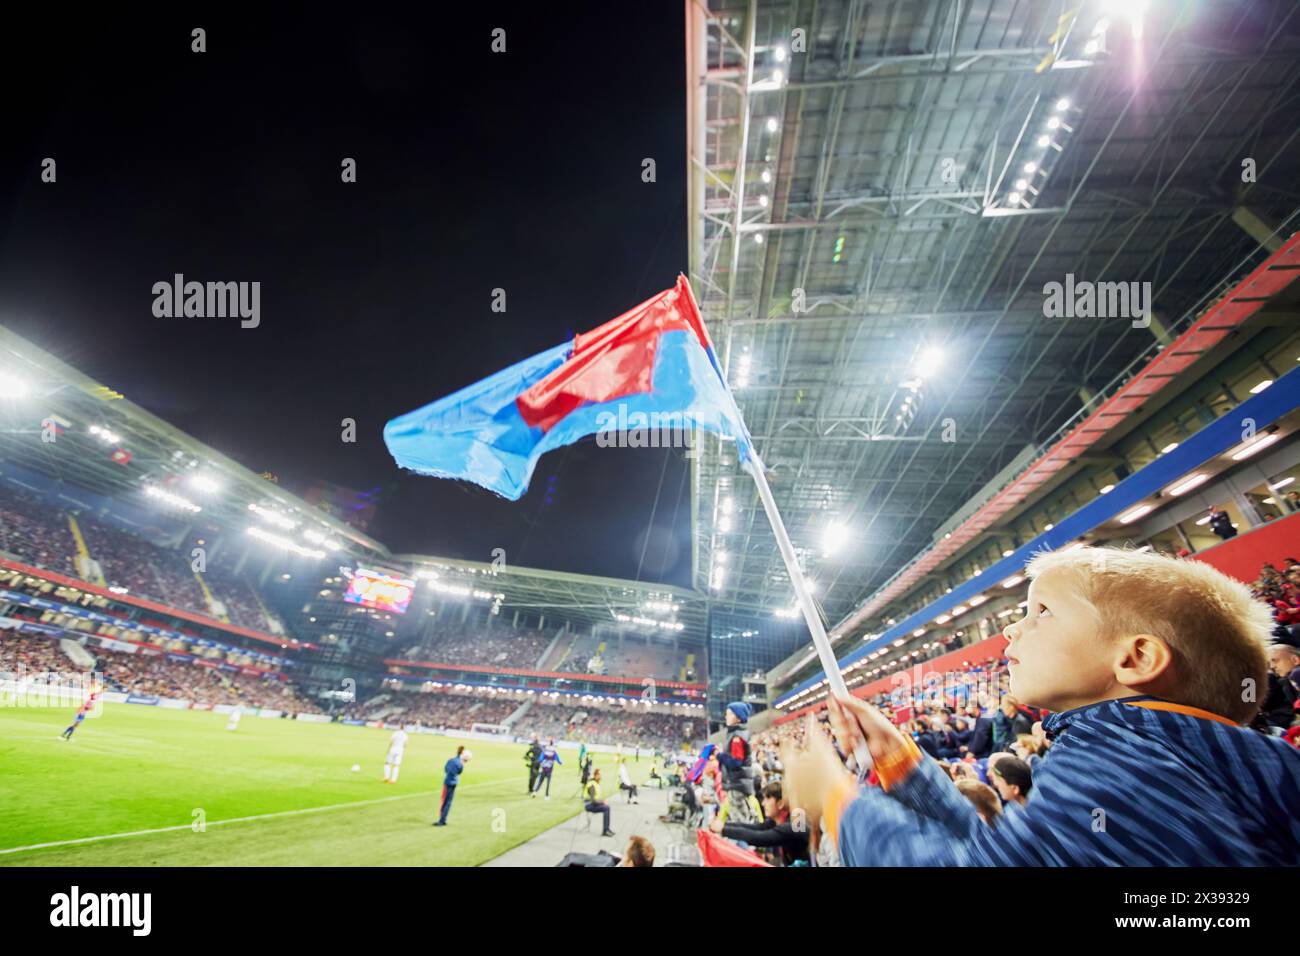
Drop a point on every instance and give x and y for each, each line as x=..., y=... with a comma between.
x=576, y=596
x=138, y=423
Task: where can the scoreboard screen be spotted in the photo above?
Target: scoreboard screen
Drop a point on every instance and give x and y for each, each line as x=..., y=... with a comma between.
x=380, y=591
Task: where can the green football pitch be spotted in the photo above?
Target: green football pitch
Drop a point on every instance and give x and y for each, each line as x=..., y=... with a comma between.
x=144, y=786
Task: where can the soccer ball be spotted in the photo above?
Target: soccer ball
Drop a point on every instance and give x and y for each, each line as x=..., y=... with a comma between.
x=356, y=768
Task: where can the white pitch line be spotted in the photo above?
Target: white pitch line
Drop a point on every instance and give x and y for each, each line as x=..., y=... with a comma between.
x=215, y=823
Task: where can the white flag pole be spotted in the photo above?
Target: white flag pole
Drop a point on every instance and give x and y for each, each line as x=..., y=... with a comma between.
x=754, y=465
x=834, y=679
x=820, y=641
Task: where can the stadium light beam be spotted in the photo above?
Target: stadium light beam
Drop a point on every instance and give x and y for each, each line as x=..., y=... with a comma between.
x=205, y=484
x=835, y=537
x=285, y=543
x=277, y=519
x=13, y=387
x=930, y=362
x=173, y=500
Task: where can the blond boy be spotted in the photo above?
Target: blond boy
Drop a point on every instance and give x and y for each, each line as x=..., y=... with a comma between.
x=1149, y=666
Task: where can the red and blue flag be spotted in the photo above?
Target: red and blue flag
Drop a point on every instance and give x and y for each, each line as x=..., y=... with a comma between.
x=653, y=367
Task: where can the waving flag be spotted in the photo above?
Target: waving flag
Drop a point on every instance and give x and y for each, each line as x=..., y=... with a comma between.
x=652, y=368
x=717, y=851
x=697, y=768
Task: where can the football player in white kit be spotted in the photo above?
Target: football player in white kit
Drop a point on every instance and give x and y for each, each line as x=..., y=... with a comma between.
x=235, y=715
x=395, y=749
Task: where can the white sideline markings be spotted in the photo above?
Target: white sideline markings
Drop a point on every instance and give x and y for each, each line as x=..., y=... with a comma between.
x=214, y=823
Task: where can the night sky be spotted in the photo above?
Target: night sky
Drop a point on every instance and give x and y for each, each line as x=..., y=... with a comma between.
x=475, y=171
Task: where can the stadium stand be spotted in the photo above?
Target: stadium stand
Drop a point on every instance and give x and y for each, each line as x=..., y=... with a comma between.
x=158, y=676
x=237, y=597
x=641, y=660
x=67, y=601
x=528, y=650
x=580, y=651
x=462, y=708
x=1280, y=590
x=610, y=726
x=141, y=567
x=37, y=534
x=448, y=710
x=38, y=659
x=150, y=673
x=30, y=531
x=467, y=645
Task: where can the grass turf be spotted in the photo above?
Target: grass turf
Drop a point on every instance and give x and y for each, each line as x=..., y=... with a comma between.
x=145, y=768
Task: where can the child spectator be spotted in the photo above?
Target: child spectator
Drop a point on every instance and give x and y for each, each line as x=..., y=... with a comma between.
x=1150, y=666
x=737, y=763
x=983, y=798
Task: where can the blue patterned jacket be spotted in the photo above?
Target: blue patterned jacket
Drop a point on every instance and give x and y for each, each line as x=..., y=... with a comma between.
x=1125, y=784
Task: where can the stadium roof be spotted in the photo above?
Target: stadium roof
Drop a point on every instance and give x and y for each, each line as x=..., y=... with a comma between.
x=857, y=216
x=160, y=456
x=578, y=598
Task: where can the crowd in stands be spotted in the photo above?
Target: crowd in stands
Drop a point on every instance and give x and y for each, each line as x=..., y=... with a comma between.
x=144, y=569
x=470, y=644
x=1280, y=590
x=33, y=533
x=651, y=730
x=185, y=641
x=641, y=660
x=38, y=659
x=38, y=534
x=581, y=650
x=447, y=710
x=161, y=677
x=460, y=708
x=504, y=647
x=236, y=594
x=149, y=674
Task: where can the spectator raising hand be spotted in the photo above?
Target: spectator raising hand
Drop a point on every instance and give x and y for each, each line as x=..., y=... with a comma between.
x=855, y=721
x=812, y=772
